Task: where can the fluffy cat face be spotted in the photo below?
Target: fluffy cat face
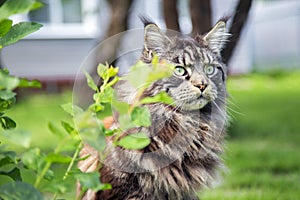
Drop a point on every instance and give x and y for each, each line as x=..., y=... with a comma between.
x=199, y=74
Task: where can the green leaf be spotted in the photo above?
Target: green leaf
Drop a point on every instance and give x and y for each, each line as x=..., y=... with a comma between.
x=24, y=83
x=32, y=159
x=155, y=60
x=90, y=82
x=91, y=180
x=112, y=71
x=120, y=106
x=101, y=70
x=56, y=131
x=35, y=160
x=91, y=130
x=6, y=94
x=94, y=137
x=72, y=109
x=141, y=75
x=14, y=174
x=49, y=175
x=7, y=123
x=8, y=82
x=10, y=157
x=138, y=75
x=141, y=116
x=19, y=191
x=58, y=158
x=56, y=186
x=96, y=107
x=19, y=137
x=5, y=161
x=5, y=25
x=5, y=104
x=68, y=128
x=104, y=97
x=19, y=31
x=106, y=71
x=36, y=5
x=11, y=7
x=160, y=71
x=125, y=122
x=109, y=132
x=134, y=141
x=161, y=97
x=113, y=81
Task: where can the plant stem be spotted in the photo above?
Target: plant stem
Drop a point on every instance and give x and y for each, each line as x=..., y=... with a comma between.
x=72, y=161
x=41, y=176
x=48, y=165
x=70, y=165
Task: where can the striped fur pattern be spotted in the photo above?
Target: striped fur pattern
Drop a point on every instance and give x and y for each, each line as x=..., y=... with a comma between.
x=186, y=138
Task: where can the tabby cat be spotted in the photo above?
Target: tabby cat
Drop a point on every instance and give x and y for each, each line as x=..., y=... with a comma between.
x=186, y=138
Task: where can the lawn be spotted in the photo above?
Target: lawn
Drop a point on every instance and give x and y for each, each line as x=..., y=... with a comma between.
x=263, y=151
x=262, y=148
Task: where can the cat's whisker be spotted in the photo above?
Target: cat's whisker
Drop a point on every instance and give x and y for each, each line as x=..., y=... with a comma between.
x=230, y=109
x=222, y=112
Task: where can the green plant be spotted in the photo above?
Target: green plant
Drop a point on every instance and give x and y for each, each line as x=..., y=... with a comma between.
x=88, y=123
x=87, y=128
x=11, y=33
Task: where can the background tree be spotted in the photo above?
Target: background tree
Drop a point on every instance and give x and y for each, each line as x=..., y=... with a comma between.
x=107, y=52
x=239, y=20
x=201, y=17
x=171, y=14
x=118, y=23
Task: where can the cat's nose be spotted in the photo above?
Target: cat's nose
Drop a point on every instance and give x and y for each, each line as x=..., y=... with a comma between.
x=202, y=86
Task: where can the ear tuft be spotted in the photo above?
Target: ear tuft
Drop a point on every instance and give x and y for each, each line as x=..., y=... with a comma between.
x=217, y=37
x=154, y=39
x=146, y=20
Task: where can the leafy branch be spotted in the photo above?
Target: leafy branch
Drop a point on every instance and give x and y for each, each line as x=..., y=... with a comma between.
x=88, y=125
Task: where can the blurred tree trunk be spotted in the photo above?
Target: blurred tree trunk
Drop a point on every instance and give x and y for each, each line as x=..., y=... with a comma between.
x=2, y=2
x=239, y=20
x=201, y=16
x=171, y=14
x=118, y=23
x=107, y=51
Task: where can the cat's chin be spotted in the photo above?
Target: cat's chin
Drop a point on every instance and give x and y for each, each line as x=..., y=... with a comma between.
x=195, y=105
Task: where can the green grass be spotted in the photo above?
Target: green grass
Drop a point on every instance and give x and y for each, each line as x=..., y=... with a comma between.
x=263, y=151
x=33, y=113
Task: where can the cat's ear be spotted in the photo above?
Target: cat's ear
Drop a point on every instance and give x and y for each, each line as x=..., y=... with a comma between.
x=154, y=39
x=217, y=37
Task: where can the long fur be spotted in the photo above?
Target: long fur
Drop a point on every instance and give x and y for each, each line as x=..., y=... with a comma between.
x=186, y=137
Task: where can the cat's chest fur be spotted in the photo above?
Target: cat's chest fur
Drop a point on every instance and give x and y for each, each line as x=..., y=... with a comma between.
x=180, y=159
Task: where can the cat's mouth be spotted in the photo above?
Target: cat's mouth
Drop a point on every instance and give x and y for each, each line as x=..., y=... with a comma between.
x=195, y=103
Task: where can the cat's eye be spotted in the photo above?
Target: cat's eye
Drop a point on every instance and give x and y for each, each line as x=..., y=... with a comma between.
x=180, y=71
x=210, y=70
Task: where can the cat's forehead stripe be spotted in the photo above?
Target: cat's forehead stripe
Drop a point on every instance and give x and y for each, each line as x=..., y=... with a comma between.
x=187, y=59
